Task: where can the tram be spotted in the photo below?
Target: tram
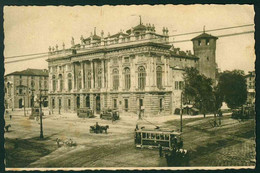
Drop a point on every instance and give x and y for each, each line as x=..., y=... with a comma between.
x=151, y=138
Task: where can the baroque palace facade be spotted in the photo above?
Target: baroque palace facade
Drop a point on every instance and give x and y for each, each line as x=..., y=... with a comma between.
x=125, y=71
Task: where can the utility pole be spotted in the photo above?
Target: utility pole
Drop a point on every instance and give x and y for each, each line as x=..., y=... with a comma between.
x=181, y=112
x=40, y=102
x=32, y=102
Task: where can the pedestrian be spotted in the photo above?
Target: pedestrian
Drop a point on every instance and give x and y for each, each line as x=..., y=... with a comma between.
x=10, y=117
x=160, y=150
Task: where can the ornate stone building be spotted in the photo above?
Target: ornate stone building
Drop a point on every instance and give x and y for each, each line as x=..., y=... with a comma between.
x=124, y=71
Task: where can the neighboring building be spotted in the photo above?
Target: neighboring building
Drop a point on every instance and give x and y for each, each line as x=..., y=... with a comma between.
x=124, y=71
x=204, y=47
x=250, y=81
x=21, y=85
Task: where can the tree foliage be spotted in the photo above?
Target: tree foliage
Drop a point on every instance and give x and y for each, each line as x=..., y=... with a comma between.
x=198, y=90
x=232, y=87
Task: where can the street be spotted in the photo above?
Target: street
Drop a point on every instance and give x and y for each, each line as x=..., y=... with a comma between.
x=231, y=144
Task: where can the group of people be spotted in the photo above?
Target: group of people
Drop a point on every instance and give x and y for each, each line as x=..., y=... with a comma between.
x=177, y=157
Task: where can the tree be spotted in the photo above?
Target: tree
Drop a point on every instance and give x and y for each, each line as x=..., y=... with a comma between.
x=232, y=86
x=198, y=90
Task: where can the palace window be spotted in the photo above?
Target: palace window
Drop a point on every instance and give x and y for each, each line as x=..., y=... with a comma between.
x=115, y=79
x=53, y=83
x=99, y=77
x=79, y=81
x=32, y=84
x=89, y=79
x=61, y=82
x=45, y=84
x=127, y=78
x=159, y=77
x=141, y=77
x=69, y=82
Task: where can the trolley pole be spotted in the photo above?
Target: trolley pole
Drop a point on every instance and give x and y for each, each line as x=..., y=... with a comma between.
x=181, y=113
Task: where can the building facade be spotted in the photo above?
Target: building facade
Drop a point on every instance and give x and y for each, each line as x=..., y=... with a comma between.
x=250, y=81
x=22, y=86
x=125, y=71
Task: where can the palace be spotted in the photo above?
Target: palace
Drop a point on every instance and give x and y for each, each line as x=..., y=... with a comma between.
x=126, y=71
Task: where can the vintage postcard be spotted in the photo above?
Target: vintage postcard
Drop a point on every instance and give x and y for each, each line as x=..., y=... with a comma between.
x=129, y=87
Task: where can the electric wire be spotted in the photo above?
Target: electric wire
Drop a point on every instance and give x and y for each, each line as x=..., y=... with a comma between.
x=180, y=41
x=175, y=35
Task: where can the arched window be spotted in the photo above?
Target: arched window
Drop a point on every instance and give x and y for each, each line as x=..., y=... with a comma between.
x=61, y=82
x=115, y=79
x=127, y=78
x=159, y=77
x=141, y=77
x=79, y=80
x=89, y=79
x=69, y=82
x=53, y=83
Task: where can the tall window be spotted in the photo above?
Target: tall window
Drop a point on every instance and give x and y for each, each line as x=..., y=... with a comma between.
x=69, y=82
x=32, y=84
x=127, y=78
x=99, y=77
x=79, y=81
x=53, y=83
x=89, y=79
x=115, y=79
x=61, y=82
x=159, y=77
x=141, y=77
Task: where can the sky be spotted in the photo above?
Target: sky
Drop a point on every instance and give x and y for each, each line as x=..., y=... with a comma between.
x=32, y=29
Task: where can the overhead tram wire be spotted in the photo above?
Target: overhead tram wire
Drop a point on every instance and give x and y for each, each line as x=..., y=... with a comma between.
x=180, y=41
x=10, y=57
x=26, y=59
x=175, y=35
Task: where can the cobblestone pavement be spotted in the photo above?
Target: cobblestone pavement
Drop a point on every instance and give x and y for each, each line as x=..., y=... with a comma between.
x=116, y=149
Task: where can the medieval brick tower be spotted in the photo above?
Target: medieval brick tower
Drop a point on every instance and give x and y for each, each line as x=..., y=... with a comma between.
x=204, y=47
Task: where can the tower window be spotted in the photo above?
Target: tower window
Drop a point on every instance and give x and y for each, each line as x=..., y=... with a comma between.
x=207, y=42
x=199, y=43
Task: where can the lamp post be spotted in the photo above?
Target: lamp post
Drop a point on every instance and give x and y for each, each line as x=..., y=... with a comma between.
x=40, y=103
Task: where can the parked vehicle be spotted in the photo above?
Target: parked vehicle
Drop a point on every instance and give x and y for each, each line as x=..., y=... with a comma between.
x=85, y=113
x=109, y=114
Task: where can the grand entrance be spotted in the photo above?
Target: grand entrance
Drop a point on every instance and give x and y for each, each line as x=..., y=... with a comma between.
x=98, y=104
x=78, y=102
x=20, y=103
x=87, y=101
